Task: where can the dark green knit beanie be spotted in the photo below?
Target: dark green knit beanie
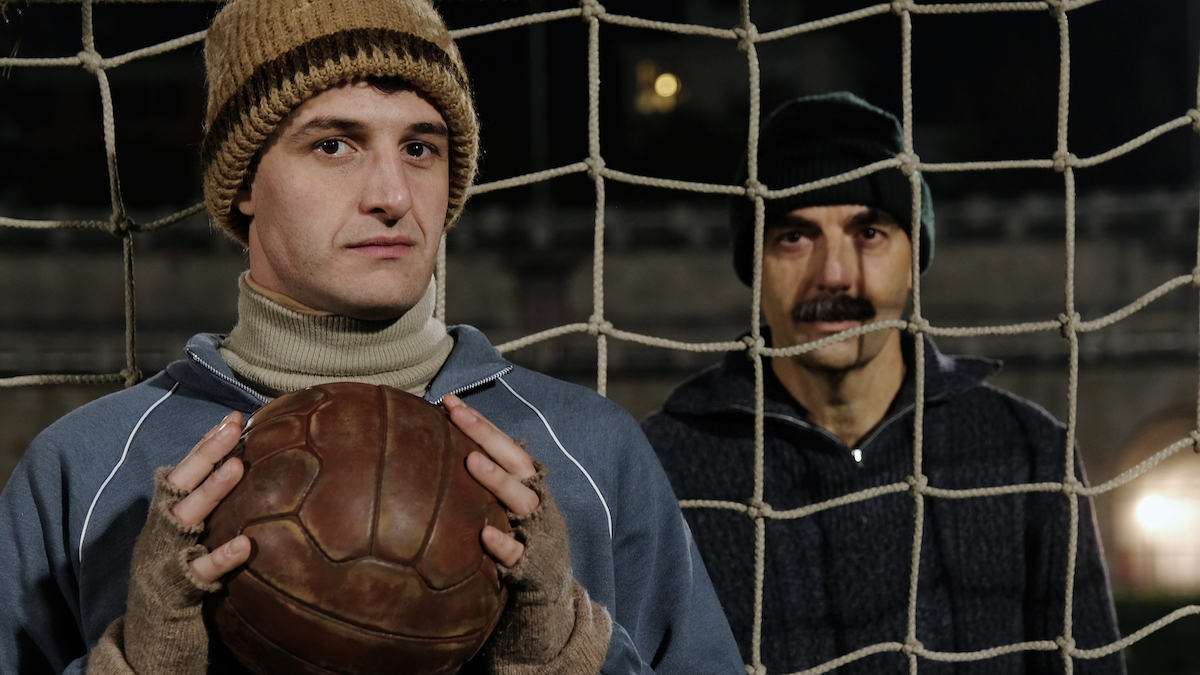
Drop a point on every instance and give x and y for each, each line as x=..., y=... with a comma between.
x=815, y=137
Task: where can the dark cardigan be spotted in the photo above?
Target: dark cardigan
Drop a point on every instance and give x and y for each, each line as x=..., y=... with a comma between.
x=992, y=569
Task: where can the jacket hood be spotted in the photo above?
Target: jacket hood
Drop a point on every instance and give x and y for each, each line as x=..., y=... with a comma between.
x=729, y=385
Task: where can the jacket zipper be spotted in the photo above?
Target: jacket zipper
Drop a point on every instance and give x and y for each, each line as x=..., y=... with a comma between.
x=225, y=378
x=903, y=411
x=480, y=383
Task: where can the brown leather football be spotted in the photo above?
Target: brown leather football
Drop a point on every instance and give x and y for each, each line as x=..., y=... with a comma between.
x=365, y=525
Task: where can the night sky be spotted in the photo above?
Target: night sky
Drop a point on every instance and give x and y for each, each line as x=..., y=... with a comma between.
x=986, y=87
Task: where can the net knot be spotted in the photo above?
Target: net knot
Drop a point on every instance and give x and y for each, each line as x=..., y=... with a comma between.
x=746, y=36
x=1195, y=115
x=1196, y=277
x=753, y=345
x=917, y=484
x=901, y=6
x=1066, y=644
x=91, y=61
x=1057, y=7
x=912, y=646
x=1072, y=486
x=760, y=669
x=1064, y=159
x=757, y=509
x=1070, y=324
x=597, y=326
x=909, y=161
x=1195, y=441
x=918, y=325
x=755, y=189
x=592, y=8
x=594, y=165
x=119, y=224
x=132, y=376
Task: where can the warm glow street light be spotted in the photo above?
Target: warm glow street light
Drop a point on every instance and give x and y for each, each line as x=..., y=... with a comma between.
x=1155, y=513
x=657, y=91
x=666, y=85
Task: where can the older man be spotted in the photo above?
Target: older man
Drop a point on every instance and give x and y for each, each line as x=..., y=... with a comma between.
x=341, y=141
x=839, y=420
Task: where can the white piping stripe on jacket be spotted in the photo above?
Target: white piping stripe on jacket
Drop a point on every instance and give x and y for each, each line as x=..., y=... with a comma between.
x=124, y=453
x=587, y=475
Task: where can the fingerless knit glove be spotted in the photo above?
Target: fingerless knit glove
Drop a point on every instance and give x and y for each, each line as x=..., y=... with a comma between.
x=550, y=626
x=162, y=631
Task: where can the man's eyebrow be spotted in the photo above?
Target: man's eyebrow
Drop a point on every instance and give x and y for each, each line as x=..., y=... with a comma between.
x=325, y=124
x=789, y=220
x=431, y=128
x=873, y=216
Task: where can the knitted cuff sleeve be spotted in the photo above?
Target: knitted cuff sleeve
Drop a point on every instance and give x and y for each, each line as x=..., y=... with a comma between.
x=107, y=657
x=163, y=629
x=550, y=626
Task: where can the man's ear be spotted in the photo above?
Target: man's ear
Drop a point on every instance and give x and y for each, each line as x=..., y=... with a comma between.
x=244, y=202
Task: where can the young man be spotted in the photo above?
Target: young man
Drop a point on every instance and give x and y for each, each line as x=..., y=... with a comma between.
x=341, y=140
x=840, y=420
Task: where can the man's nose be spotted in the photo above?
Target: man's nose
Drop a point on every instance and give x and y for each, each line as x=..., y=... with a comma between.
x=386, y=190
x=838, y=265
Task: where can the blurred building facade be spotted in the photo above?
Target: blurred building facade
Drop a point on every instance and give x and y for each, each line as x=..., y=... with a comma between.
x=667, y=273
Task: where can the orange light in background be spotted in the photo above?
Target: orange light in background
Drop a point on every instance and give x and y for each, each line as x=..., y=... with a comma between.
x=657, y=90
x=1153, y=539
x=666, y=85
x=1159, y=537
x=1155, y=513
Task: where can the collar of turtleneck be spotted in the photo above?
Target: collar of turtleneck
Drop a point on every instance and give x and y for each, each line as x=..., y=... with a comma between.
x=278, y=347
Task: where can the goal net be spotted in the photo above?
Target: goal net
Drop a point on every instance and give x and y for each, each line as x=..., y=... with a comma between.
x=1070, y=323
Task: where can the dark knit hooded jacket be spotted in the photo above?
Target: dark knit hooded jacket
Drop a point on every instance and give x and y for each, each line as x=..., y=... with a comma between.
x=992, y=569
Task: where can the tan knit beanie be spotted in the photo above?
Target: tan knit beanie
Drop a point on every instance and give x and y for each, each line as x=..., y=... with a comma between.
x=265, y=57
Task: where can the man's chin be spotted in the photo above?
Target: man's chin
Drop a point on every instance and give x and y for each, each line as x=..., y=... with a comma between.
x=376, y=313
x=383, y=303
x=804, y=333
x=370, y=311
x=844, y=355
x=841, y=356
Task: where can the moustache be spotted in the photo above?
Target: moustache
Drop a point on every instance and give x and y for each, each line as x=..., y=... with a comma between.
x=834, y=308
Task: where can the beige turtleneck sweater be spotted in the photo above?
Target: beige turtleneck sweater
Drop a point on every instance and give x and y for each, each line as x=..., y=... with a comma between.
x=280, y=345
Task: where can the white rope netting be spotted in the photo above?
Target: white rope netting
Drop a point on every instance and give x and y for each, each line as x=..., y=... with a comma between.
x=1069, y=322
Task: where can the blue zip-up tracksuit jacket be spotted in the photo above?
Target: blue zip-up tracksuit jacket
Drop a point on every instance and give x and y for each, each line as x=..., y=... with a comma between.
x=78, y=499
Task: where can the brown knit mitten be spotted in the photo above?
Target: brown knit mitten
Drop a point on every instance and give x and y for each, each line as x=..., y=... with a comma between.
x=550, y=626
x=162, y=630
